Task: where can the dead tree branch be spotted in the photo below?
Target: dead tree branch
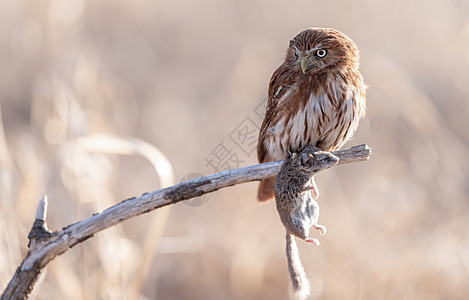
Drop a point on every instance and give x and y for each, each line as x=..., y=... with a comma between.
x=46, y=245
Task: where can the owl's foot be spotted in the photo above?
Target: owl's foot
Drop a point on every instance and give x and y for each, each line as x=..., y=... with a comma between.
x=315, y=242
x=321, y=228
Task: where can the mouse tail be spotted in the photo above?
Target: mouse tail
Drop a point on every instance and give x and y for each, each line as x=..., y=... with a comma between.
x=300, y=283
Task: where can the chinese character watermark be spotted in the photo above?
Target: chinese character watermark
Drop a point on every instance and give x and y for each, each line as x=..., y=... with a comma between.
x=245, y=136
x=224, y=156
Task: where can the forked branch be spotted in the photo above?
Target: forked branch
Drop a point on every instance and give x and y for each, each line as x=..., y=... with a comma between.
x=46, y=245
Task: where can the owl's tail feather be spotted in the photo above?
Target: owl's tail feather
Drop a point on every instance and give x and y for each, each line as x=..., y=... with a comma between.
x=266, y=189
x=300, y=283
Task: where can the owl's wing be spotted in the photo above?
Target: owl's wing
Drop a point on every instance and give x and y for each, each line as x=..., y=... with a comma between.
x=280, y=87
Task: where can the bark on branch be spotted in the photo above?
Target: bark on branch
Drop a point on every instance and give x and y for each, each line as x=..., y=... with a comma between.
x=46, y=245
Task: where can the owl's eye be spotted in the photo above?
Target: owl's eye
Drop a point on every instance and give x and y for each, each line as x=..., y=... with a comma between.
x=321, y=53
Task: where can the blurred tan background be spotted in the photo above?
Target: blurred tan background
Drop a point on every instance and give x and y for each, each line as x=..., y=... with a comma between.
x=189, y=78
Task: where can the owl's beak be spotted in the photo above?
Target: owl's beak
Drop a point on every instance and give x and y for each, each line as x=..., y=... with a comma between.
x=306, y=64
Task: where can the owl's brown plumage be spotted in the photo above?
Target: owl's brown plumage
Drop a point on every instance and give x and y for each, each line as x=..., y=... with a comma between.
x=316, y=97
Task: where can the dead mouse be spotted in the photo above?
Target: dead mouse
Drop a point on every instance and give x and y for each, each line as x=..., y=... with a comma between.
x=297, y=207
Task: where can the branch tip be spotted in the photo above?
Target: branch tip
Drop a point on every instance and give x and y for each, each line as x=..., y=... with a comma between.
x=42, y=209
x=39, y=229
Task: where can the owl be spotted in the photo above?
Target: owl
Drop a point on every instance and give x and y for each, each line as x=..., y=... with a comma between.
x=316, y=97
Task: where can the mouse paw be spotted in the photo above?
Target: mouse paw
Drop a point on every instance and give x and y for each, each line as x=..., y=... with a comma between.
x=314, y=189
x=321, y=228
x=315, y=242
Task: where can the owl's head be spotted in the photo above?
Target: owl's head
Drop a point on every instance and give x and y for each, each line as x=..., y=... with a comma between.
x=319, y=49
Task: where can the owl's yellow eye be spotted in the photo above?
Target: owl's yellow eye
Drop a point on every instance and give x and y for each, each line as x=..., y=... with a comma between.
x=321, y=53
